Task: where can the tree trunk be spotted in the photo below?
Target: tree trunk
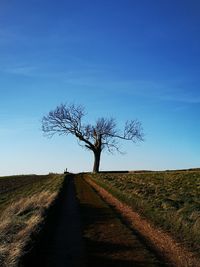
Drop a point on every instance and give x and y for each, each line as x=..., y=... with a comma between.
x=97, y=156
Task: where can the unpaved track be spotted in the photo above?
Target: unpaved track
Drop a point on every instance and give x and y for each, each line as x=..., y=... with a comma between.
x=109, y=242
x=102, y=240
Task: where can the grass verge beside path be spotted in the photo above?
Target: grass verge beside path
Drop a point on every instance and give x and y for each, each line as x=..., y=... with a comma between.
x=169, y=200
x=23, y=211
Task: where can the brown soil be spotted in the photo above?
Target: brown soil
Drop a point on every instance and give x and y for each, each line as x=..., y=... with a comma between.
x=108, y=241
x=163, y=243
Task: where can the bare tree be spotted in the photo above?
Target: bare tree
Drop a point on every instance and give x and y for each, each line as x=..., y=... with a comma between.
x=103, y=135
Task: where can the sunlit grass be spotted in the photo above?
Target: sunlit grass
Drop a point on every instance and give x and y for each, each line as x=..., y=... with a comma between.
x=171, y=200
x=22, y=213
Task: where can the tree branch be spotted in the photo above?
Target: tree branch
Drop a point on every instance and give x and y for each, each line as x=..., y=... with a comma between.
x=68, y=119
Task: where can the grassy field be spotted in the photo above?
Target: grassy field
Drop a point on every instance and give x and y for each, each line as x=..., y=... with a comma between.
x=171, y=200
x=23, y=201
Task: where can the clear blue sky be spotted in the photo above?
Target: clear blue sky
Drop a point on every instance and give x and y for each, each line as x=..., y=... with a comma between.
x=127, y=59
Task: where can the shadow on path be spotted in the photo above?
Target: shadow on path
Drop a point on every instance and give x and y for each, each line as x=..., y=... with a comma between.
x=103, y=240
x=109, y=242
x=61, y=244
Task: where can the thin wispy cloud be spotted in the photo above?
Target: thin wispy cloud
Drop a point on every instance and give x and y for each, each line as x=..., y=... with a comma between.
x=15, y=125
x=22, y=70
x=10, y=35
x=148, y=89
x=188, y=98
x=93, y=78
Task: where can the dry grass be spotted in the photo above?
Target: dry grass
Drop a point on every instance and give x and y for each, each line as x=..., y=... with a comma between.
x=17, y=222
x=14, y=188
x=22, y=216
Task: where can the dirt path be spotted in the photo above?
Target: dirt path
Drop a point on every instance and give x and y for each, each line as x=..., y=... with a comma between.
x=88, y=233
x=109, y=242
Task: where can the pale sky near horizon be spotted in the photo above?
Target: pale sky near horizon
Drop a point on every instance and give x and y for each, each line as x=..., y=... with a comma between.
x=126, y=59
